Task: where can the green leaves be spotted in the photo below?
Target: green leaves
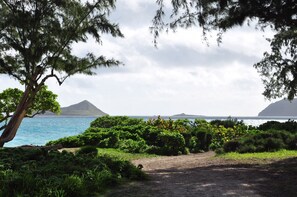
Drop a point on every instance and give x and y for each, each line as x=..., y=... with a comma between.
x=39, y=33
x=45, y=100
x=9, y=99
x=279, y=67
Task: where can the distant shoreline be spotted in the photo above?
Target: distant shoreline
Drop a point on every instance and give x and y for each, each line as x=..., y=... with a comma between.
x=181, y=117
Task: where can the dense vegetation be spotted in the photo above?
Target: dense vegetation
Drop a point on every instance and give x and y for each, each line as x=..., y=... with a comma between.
x=38, y=172
x=169, y=137
x=270, y=136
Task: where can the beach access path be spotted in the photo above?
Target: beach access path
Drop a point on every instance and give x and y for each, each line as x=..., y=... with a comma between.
x=204, y=174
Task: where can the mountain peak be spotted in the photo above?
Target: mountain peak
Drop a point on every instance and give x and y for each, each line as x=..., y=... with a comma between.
x=83, y=108
x=283, y=107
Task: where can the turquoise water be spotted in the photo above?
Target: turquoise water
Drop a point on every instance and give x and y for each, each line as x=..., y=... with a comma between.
x=39, y=130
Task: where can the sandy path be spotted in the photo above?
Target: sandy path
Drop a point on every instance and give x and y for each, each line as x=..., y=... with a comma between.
x=205, y=175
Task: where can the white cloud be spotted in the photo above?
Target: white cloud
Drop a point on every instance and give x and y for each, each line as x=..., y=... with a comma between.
x=182, y=75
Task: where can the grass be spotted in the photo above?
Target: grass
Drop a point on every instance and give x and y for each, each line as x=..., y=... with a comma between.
x=123, y=155
x=282, y=154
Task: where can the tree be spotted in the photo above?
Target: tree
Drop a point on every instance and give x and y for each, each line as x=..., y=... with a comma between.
x=45, y=100
x=278, y=68
x=36, y=38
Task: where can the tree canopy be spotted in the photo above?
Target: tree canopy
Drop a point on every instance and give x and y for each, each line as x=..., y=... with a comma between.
x=45, y=100
x=36, y=39
x=278, y=67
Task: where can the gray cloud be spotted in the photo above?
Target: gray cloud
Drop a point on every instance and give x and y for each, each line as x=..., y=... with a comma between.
x=184, y=56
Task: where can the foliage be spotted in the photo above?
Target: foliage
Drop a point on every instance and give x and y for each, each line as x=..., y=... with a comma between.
x=41, y=173
x=170, y=143
x=92, y=150
x=36, y=39
x=133, y=146
x=68, y=142
x=278, y=67
x=262, y=141
x=119, y=154
x=111, y=121
x=45, y=100
x=228, y=123
x=289, y=125
x=157, y=136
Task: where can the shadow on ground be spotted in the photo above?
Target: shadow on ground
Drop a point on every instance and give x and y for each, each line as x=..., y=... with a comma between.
x=267, y=180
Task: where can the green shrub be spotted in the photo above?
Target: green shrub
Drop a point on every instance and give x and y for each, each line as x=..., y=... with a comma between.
x=150, y=135
x=133, y=146
x=290, y=126
x=273, y=144
x=68, y=142
x=231, y=146
x=170, y=143
x=91, y=150
x=292, y=143
x=59, y=174
x=204, y=140
x=262, y=141
x=73, y=185
x=103, y=139
x=111, y=121
x=247, y=148
x=228, y=123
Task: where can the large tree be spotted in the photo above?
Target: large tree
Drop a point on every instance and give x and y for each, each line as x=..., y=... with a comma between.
x=278, y=67
x=36, y=39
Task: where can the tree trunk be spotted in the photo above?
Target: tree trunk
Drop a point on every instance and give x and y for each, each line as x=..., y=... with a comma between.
x=17, y=118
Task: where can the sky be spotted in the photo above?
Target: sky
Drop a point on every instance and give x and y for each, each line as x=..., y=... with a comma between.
x=182, y=75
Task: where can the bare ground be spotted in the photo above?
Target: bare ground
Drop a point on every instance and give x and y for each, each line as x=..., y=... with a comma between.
x=206, y=175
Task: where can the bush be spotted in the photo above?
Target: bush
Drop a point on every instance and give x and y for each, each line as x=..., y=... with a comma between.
x=290, y=126
x=170, y=143
x=228, y=123
x=231, y=146
x=68, y=142
x=273, y=144
x=102, y=138
x=73, y=185
x=111, y=121
x=59, y=174
x=91, y=150
x=133, y=146
x=292, y=143
x=262, y=141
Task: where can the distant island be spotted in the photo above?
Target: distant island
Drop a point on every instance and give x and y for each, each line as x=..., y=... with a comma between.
x=281, y=108
x=186, y=115
x=84, y=108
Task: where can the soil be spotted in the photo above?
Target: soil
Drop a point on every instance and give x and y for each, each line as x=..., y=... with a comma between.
x=204, y=174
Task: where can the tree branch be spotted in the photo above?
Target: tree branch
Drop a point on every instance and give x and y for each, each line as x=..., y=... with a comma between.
x=67, y=40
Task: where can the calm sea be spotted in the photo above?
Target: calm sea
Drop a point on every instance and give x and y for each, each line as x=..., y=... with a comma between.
x=39, y=130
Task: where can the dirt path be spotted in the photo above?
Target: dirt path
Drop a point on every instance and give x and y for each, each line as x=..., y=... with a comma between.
x=205, y=175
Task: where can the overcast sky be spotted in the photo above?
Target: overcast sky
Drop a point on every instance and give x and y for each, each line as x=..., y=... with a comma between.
x=183, y=75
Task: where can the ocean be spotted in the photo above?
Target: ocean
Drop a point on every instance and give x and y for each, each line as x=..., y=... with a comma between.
x=40, y=130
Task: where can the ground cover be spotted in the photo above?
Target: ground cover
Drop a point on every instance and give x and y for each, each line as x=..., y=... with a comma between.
x=116, y=153
x=278, y=155
x=39, y=172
